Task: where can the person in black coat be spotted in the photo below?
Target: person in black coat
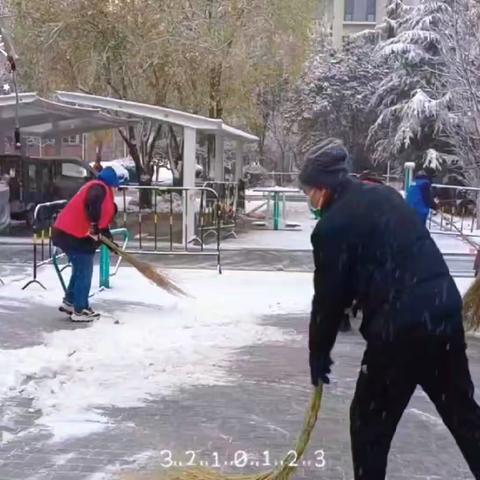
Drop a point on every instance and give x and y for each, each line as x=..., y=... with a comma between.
x=371, y=248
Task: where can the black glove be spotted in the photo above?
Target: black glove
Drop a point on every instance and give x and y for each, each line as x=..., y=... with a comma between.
x=94, y=230
x=105, y=232
x=320, y=368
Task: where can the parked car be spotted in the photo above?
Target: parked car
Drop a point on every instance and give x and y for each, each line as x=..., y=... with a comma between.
x=34, y=180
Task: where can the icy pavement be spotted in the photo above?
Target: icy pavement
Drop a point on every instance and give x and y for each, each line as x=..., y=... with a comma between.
x=202, y=378
x=216, y=374
x=299, y=239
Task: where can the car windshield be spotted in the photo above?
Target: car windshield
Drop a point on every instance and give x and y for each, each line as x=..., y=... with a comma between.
x=73, y=170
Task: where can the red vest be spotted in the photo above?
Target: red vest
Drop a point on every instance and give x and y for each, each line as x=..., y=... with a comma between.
x=73, y=219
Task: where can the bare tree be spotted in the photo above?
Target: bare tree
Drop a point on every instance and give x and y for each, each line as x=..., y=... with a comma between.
x=203, y=56
x=333, y=96
x=461, y=35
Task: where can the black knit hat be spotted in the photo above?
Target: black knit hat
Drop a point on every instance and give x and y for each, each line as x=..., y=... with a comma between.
x=325, y=165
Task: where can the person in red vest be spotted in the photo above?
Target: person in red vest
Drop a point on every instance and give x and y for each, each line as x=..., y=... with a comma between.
x=76, y=231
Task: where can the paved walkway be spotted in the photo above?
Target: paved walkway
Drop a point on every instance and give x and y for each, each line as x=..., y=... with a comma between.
x=261, y=411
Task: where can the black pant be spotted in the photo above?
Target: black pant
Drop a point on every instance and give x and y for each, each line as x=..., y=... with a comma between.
x=387, y=380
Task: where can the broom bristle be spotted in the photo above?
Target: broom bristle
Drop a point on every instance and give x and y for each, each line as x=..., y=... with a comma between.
x=471, y=306
x=160, y=279
x=284, y=472
x=471, y=300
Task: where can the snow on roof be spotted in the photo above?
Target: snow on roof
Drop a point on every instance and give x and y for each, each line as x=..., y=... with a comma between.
x=155, y=112
x=42, y=117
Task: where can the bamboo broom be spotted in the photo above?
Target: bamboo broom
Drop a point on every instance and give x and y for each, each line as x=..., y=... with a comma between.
x=160, y=279
x=284, y=472
x=471, y=299
x=471, y=306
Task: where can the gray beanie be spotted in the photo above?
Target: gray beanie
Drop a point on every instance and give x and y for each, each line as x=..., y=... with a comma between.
x=325, y=165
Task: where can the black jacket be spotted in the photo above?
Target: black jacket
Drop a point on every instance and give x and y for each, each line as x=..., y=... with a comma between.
x=370, y=247
x=69, y=243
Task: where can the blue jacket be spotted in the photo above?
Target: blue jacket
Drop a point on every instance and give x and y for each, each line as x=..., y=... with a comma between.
x=419, y=196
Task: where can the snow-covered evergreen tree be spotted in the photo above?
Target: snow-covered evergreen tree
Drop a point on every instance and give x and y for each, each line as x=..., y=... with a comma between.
x=412, y=101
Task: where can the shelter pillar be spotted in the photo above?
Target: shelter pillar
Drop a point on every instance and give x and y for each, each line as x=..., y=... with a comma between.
x=189, y=168
x=238, y=161
x=57, y=146
x=219, y=158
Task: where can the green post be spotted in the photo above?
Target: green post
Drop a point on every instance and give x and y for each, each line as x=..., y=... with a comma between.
x=104, y=267
x=276, y=211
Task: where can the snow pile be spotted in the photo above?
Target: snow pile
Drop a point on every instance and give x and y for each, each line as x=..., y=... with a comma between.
x=131, y=203
x=162, y=176
x=163, y=203
x=135, y=463
x=160, y=344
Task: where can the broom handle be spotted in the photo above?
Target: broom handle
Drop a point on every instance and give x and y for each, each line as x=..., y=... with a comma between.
x=107, y=242
x=132, y=261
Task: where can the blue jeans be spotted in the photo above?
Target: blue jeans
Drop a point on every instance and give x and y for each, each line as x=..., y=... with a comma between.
x=81, y=279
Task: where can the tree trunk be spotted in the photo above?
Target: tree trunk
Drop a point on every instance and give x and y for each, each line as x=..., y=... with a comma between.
x=216, y=104
x=144, y=177
x=175, y=157
x=145, y=196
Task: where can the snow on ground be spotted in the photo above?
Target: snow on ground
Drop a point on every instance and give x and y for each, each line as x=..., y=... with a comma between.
x=463, y=284
x=452, y=244
x=147, y=344
x=449, y=241
x=447, y=222
x=13, y=273
x=134, y=462
x=286, y=239
x=267, y=238
x=130, y=202
x=152, y=344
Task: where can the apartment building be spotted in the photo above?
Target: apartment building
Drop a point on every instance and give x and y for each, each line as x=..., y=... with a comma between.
x=353, y=16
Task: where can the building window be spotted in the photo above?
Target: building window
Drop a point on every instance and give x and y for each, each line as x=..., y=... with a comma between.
x=360, y=11
x=72, y=140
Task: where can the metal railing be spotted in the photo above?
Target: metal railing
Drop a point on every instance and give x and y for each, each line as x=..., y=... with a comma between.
x=104, y=271
x=290, y=179
x=457, y=209
x=176, y=223
x=44, y=217
x=227, y=197
x=269, y=179
x=205, y=218
x=276, y=206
